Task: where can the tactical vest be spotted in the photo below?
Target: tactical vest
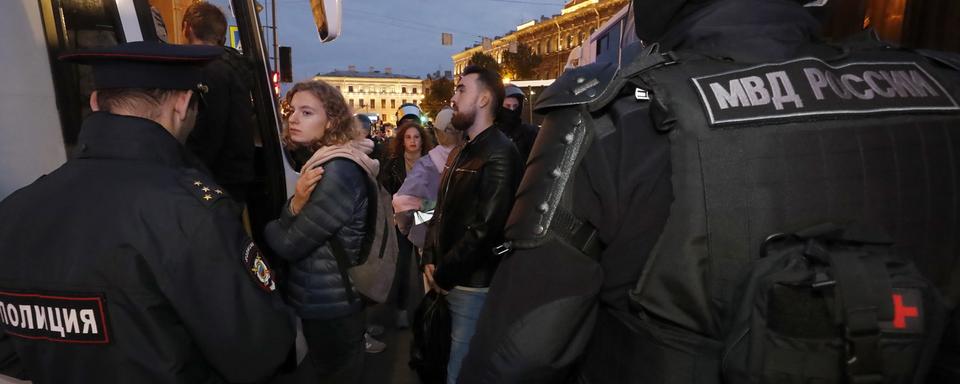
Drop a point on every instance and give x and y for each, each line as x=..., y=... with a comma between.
x=871, y=135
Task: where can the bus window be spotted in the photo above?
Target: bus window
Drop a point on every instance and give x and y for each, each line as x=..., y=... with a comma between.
x=608, y=45
x=69, y=25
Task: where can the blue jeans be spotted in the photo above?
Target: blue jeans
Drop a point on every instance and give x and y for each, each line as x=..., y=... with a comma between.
x=465, y=308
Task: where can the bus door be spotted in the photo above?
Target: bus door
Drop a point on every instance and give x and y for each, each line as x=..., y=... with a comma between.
x=77, y=24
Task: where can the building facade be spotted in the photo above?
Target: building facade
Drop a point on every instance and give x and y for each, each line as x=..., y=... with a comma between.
x=375, y=93
x=551, y=38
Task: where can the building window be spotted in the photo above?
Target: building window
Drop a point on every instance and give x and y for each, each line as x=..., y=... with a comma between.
x=361, y=104
x=404, y=101
x=549, y=45
x=350, y=89
x=373, y=103
x=569, y=41
x=383, y=103
x=393, y=103
x=414, y=90
x=403, y=90
x=338, y=89
x=351, y=103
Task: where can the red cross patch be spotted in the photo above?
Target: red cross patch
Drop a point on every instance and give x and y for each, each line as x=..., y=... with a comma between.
x=907, y=311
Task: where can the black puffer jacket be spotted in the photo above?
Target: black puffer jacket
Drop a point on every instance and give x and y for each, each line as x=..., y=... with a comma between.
x=476, y=193
x=337, y=207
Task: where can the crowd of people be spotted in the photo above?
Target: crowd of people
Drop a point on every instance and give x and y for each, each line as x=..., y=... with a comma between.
x=303, y=319
x=466, y=181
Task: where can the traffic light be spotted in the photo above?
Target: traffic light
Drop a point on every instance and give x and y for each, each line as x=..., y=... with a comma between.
x=275, y=79
x=286, y=65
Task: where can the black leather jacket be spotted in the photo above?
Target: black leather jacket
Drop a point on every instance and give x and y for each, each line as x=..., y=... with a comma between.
x=392, y=173
x=476, y=194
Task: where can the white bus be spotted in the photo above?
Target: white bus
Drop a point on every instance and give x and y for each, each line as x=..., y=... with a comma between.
x=607, y=43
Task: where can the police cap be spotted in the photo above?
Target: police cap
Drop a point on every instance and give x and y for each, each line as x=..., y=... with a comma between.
x=145, y=64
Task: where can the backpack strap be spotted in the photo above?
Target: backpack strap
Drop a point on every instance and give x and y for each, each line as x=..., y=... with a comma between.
x=343, y=265
x=861, y=310
x=340, y=254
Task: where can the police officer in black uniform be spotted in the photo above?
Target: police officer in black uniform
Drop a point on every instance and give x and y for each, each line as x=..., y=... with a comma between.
x=652, y=180
x=225, y=128
x=126, y=264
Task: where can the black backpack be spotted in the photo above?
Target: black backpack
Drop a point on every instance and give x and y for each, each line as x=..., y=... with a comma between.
x=829, y=305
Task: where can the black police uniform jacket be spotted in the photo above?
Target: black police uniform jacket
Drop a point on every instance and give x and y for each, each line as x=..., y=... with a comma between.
x=223, y=137
x=126, y=266
x=476, y=193
x=336, y=211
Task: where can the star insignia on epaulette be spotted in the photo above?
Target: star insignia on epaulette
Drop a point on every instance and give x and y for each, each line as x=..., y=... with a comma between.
x=206, y=191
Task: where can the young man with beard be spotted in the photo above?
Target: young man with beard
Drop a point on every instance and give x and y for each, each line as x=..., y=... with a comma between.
x=476, y=194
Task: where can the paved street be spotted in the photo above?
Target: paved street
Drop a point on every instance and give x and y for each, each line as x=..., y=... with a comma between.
x=389, y=366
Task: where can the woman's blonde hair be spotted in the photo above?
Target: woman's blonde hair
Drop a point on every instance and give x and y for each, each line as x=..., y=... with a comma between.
x=341, y=127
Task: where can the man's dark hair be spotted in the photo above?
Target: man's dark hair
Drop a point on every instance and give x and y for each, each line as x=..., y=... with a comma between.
x=489, y=80
x=147, y=101
x=207, y=22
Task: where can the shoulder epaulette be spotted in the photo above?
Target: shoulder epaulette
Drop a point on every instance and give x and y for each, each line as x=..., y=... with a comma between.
x=202, y=187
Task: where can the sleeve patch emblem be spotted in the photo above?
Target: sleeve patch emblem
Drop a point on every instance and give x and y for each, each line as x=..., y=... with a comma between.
x=254, y=262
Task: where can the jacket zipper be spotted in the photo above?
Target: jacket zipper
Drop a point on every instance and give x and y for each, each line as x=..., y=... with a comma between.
x=726, y=352
x=456, y=163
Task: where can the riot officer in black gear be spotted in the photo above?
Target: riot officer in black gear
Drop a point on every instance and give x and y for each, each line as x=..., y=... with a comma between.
x=653, y=181
x=127, y=264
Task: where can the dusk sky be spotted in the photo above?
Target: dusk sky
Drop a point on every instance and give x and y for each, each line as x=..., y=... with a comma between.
x=402, y=34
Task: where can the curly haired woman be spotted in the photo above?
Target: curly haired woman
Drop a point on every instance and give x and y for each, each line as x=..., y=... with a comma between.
x=318, y=214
